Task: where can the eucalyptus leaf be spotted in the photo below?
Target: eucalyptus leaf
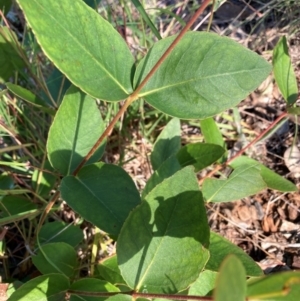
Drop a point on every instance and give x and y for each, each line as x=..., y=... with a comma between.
x=83, y=46
x=204, y=75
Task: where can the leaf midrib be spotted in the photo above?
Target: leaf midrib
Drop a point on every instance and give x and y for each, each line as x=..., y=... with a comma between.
x=196, y=79
x=86, y=49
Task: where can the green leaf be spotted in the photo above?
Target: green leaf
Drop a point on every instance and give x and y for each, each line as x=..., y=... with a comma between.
x=43, y=180
x=220, y=247
x=146, y=18
x=6, y=181
x=294, y=110
x=26, y=95
x=167, y=143
x=165, y=237
x=10, y=60
x=57, y=85
x=91, y=285
x=108, y=270
x=50, y=287
x=204, y=75
x=217, y=4
x=165, y=170
x=212, y=134
x=60, y=232
x=278, y=287
x=5, y=6
x=200, y=155
x=57, y=257
x=103, y=194
x=204, y=284
x=120, y=297
x=14, y=205
x=92, y=3
x=284, y=73
x=245, y=180
x=76, y=128
x=231, y=281
x=19, y=216
x=272, y=179
x=83, y=46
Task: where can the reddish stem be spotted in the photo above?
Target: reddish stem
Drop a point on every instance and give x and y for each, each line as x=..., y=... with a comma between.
x=135, y=95
x=260, y=136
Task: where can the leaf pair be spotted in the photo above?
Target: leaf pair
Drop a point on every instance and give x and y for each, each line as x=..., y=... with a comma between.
x=204, y=75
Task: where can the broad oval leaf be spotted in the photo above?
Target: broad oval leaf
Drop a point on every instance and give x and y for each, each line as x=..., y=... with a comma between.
x=60, y=232
x=231, y=281
x=271, y=178
x=204, y=75
x=166, y=237
x=56, y=257
x=15, y=205
x=27, y=96
x=120, y=297
x=10, y=54
x=103, y=194
x=51, y=287
x=108, y=270
x=245, y=180
x=91, y=285
x=76, y=128
x=167, y=143
x=284, y=73
x=212, y=134
x=6, y=181
x=204, y=284
x=278, y=287
x=165, y=170
x=83, y=46
x=43, y=180
x=200, y=155
x=220, y=247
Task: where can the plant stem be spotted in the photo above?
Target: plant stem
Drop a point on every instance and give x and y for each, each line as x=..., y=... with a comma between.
x=171, y=47
x=263, y=133
x=141, y=295
x=135, y=95
x=105, y=134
